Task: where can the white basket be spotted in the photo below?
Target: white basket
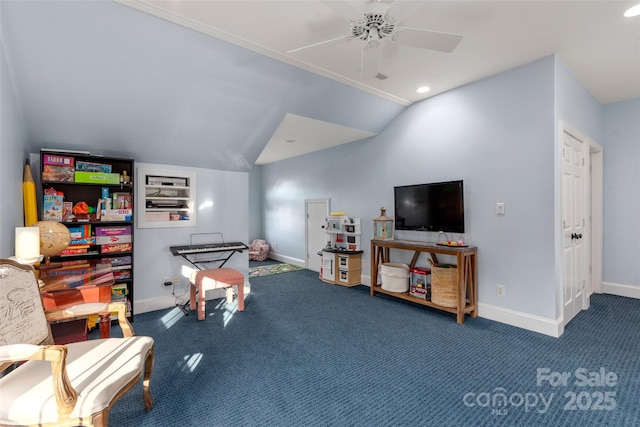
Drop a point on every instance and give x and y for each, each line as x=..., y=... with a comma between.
x=395, y=277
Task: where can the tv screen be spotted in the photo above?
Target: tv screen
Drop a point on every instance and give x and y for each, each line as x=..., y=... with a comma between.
x=436, y=206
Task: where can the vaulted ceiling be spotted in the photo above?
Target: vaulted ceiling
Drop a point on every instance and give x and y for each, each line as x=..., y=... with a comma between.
x=210, y=83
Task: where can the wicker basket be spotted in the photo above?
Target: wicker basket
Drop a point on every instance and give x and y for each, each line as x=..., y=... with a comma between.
x=444, y=284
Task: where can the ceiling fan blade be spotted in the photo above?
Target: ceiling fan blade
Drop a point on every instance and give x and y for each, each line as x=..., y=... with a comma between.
x=347, y=10
x=423, y=39
x=370, y=60
x=403, y=9
x=329, y=42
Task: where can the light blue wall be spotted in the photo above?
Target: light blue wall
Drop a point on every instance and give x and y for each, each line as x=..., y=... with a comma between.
x=222, y=206
x=13, y=153
x=622, y=193
x=578, y=110
x=497, y=135
x=256, y=223
x=616, y=127
x=575, y=105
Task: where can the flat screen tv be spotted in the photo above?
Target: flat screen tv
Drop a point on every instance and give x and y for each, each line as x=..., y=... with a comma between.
x=436, y=206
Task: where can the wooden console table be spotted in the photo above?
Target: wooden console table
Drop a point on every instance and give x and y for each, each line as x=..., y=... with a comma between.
x=465, y=260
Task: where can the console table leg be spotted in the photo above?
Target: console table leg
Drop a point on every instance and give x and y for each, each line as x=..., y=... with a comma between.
x=105, y=324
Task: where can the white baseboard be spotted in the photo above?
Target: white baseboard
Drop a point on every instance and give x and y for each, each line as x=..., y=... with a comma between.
x=365, y=280
x=542, y=325
x=526, y=321
x=621, y=290
x=287, y=259
x=168, y=301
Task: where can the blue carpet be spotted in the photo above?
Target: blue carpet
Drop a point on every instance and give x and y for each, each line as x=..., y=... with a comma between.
x=306, y=353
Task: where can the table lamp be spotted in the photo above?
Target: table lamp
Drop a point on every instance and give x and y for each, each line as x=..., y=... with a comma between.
x=27, y=245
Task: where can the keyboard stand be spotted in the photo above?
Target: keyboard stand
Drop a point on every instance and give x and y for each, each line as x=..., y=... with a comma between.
x=224, y=260
x=195, y=262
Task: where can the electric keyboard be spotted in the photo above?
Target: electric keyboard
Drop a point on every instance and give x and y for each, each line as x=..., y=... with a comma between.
x=207, y=247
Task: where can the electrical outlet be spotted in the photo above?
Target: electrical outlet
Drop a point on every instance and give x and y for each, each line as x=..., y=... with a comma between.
x=500, y=291
x=362, y=262
x=175, y=280
x=274, y=245
x=166, y=281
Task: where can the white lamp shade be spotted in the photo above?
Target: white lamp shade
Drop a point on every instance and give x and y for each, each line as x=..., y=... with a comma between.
x=27, y=244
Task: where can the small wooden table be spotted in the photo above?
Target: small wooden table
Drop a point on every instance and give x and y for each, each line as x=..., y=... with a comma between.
x=466, y=263
x=72, y=285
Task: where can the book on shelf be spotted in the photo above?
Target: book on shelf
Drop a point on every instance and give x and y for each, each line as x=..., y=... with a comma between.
x=122, y=274
x=106, y=240
x=118, y=261
x=122, y=200
x=113, y=230
x=75, y=251
x=80, y=231
x=93, y=277
x=91, y=240
x=119, y=291
x=116, y=247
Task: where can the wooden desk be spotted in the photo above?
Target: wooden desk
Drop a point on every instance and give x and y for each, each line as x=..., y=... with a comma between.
x=70, y=285
x=465, y=260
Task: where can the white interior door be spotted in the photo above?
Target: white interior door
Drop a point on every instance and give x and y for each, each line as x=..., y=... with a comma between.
x=574, y=228
x=316, y=211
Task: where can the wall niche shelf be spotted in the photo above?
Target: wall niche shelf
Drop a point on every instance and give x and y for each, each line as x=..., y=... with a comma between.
x=166, y=198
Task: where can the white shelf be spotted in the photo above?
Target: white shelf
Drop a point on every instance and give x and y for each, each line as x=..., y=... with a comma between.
x=180, y=198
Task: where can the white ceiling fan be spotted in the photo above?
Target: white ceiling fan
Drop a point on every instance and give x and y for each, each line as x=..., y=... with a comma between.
x=370, y=21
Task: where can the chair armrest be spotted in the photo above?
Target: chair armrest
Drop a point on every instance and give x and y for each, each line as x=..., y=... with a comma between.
x=121, y=309
x=17, y=352
x=66, y=395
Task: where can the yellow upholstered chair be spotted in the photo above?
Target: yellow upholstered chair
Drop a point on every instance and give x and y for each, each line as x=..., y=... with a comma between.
x=71, y=385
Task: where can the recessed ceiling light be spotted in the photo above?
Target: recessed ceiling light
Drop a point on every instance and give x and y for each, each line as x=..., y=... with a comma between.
x=423, y=89
x=633, y=11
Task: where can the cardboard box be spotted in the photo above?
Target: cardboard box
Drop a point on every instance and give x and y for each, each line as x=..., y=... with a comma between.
x=106, y=240
x=422, y=293
x=83, y=241
x=93, y=167
x=113, y=231
x=52, y=208
x=81, y=231
x=54, y=159
x=156, y=216
x=122, y=201
x=420, y=285
x=128, y=212
x=116, y=215
x=97, y=177
x=116, y=247
x=58, y=173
